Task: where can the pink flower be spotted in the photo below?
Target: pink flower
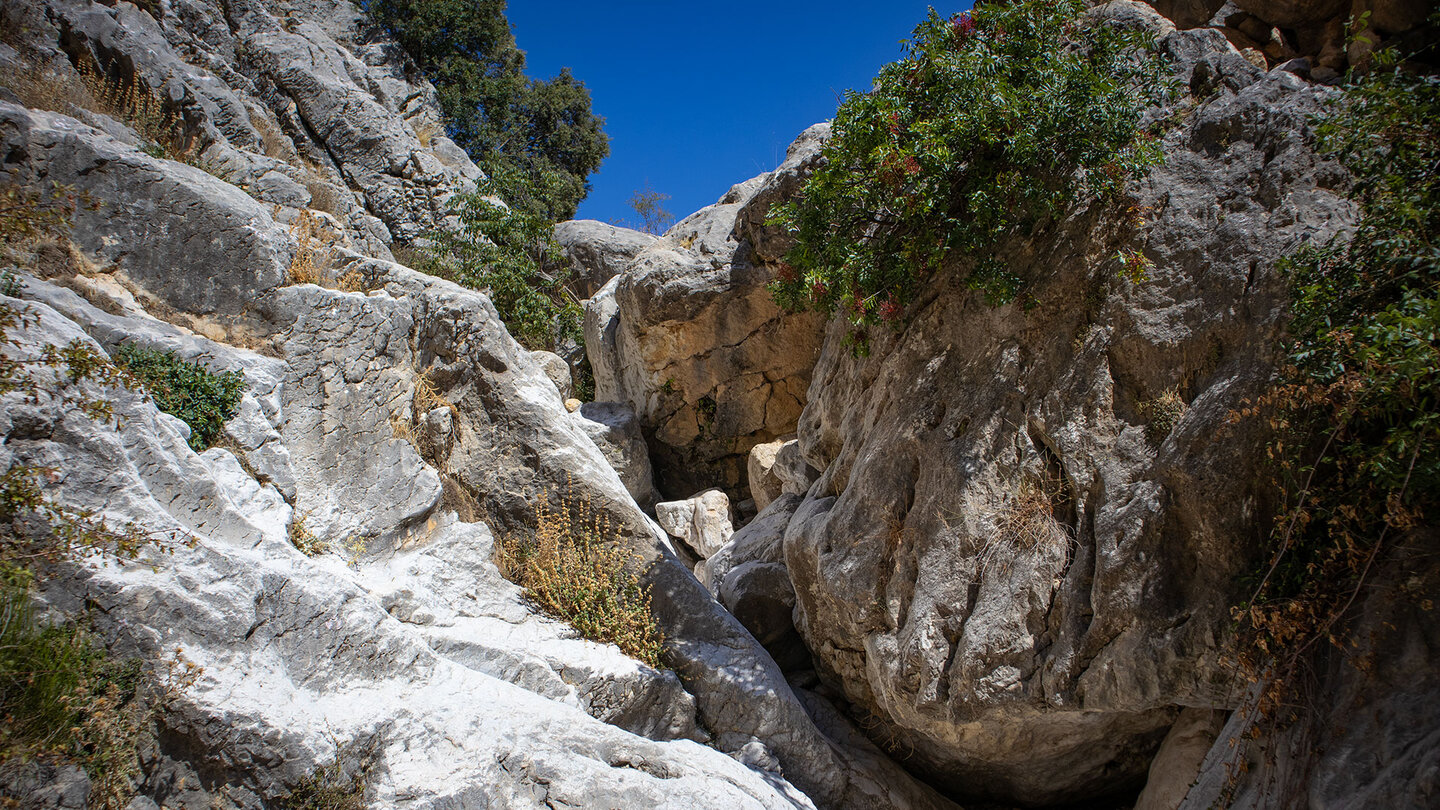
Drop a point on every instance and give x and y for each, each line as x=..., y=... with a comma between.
x=889, y=309
x=963, y=25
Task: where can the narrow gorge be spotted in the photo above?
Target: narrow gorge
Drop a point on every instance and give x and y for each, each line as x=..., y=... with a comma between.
x=930, y=548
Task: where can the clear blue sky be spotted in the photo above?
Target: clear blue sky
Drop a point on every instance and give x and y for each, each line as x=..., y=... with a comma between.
x=700, y=96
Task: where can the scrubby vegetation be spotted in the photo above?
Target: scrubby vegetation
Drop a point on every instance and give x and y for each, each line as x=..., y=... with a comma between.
x=543, y=131
x=994, y=123
x=340, y=784
x=575, y=573
x=201, y=399
x=1357, y=412
x=509, y=250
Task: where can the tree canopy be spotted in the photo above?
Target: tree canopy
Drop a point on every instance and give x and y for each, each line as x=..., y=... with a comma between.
x=494, y=111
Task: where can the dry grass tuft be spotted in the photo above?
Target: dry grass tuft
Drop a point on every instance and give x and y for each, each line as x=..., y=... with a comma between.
x=305, y=540
x=576, y=574
x=1162, y=414
x=428, y=398
x=314, y=256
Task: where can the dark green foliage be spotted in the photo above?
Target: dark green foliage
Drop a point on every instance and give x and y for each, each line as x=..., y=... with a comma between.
x=542, y=130
x=55, y=681
x=511, y=252
x=993, y=123
x=185, y=390
x=1358, y=409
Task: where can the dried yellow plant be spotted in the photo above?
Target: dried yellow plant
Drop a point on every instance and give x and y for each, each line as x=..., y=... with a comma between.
x=573, y=570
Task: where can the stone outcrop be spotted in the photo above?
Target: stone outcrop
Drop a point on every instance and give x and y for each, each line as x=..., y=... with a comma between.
x=300, y=103
x=1308, y=36
x=765, y=485
x=702, y=523
x=690, y=338
x=598, y=252
x=1007, y=563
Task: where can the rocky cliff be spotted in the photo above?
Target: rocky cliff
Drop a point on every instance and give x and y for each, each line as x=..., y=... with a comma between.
x=244, y=169
x=993, y=562
x=1015, y=534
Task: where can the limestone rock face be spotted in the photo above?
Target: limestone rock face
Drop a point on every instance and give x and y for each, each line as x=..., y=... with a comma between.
x=795, y=473
x=393, y=426
x=702, y=522
x=1371, y=741
x=598, y=251
x=1008, y=560
x=300, y=654
x=301, y=103
x=689, y=336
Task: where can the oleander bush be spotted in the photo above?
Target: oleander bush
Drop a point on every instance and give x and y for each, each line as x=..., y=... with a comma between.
x=994, y=123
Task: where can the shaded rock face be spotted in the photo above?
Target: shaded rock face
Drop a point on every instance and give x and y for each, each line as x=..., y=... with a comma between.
x=689, y=336
x=301, y=103
x=1013, y=562
x=1307, y=36
x=1369, y=732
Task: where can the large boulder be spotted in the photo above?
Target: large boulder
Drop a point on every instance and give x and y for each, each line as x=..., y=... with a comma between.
x=764, y=484
x=1013, y=562
x=701, y=522
x=597, y=251
x=690, y=337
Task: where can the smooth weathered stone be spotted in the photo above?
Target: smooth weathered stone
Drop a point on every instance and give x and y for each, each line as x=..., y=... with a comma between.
x=701, y=522
x=615, y=430
x=557, y=370
x=764, y=484
x=598, y=251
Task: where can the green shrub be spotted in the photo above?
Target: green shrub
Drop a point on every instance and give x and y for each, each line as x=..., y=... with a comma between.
x=62, y=695
x=994, y=122
x=578, y=576
x=185, y=390
x=509, y=251
x=1357, y=411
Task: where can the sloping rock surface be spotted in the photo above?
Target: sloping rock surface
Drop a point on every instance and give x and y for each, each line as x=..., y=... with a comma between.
x=1015, y=561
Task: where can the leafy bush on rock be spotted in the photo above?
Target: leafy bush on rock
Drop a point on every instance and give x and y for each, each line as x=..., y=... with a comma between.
x=994, y=122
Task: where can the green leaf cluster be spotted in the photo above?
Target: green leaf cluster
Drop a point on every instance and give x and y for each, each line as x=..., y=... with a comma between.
x=993, y=123
x=543, y=129
x=201, y=399
x=1360, y=401
x=508, y=249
